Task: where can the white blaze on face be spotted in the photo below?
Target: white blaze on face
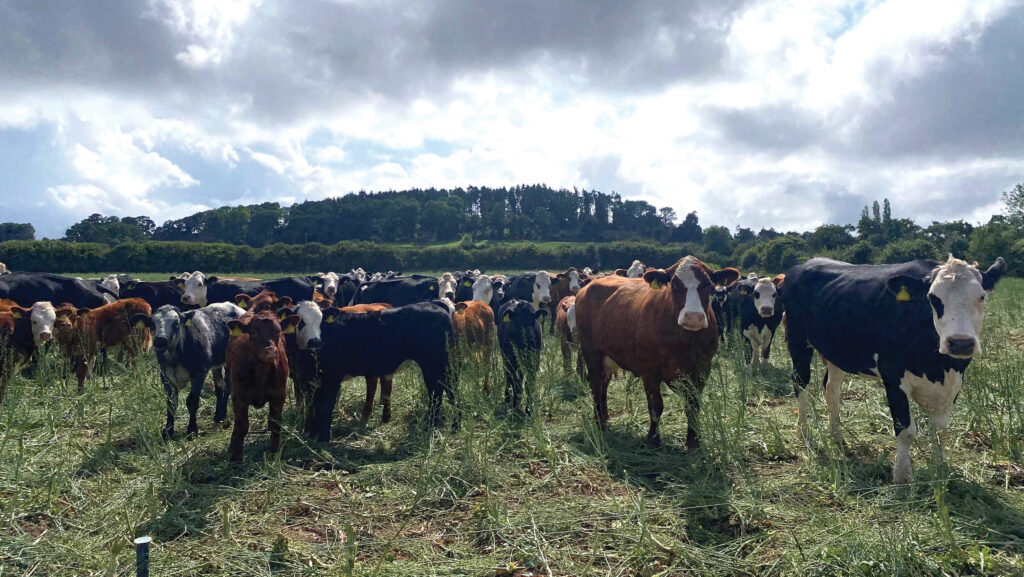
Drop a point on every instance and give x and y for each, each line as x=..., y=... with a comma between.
x=330, y=281
x=587, y=271
x=309, y=328
x=360, y=274
x=195, y=289
x=541, y=289
x=764, y=297
x=570, y=314
x=636, y=270
x=957, y=293
x=110, y=283
x=692, y=316
x=483, y=289
x=3, y=268
x=574, y=281
x=446, y=286
x=42, y=316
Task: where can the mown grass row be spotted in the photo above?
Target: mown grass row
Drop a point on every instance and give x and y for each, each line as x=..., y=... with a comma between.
x=80, y=476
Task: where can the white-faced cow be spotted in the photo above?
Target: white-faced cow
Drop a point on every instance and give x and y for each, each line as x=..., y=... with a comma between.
x=659, y=327
x=760, y=316
x=200, y=290
x=915, y=326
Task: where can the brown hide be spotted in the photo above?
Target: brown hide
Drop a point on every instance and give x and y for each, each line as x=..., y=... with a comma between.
x=257, y=370
x=635, y=325
x=568, y=343
x=6, y=304
x=81, y=333
x=474, y=330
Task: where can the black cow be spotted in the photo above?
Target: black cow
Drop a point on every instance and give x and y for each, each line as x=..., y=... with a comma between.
x=188, y=346
x=519, y=337
x=398, y=291
x=377, y=344
x=27, y=288
x=202, y=290
x=719, y=299
x=156, y=293
x=736, y=295
x=760, y=316
x=915, y=326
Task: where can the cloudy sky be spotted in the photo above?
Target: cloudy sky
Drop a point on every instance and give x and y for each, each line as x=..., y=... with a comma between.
x=760, y=113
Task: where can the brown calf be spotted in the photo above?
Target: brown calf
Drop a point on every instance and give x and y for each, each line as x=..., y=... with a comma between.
x=473, y=323
x=257, y=373
x=264, y=301
x=82, y=332
x=659, y=327
x=565, y=330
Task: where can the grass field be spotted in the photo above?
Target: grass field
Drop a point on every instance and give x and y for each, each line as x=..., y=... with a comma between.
x=80, y=476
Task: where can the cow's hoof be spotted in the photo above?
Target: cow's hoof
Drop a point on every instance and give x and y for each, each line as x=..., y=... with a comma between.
x=167, y=434
x=654, y=442
x=385, y=418
x=692, y=450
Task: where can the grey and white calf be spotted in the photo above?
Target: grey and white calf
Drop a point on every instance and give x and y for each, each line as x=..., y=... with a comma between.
x=916, y=326
x=188, y=346
x=636, y=270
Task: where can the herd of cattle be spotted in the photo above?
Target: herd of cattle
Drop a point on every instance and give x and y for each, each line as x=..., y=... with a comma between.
x=914, y=326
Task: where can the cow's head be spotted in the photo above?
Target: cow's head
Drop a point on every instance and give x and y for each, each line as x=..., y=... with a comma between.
x=572, y=276
x=359, y=274
x=520, y=314
x=165, y=325
x=264, y=301
x=195, y=286
x=111, y=283
x=330, y=281
x=691, y=282
x=41, y=317
x=66, y=322
x=587, y=272
x=483, y=289
x=956, y=292
x=446, y=286
x=765, y=292
x=636, y=270
x=499, y=284
x=308, y=328
x=541, y=288
x=264, y=331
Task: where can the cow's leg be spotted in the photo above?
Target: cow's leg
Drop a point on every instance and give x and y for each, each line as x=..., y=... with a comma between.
x=192, y=402
x=274, y=422
x=386, y=384
x=552, y=315
x=324, y=399
x=241, y=428
x=905, y=429
x=221, y=389
x=172, y=406
x=801, y=353
x=692, y=391
x=371, y=393
x=833, y=398
x=748, y=347
x=598, y=375
x=566, y=356
x=655, y=406
x=530, y=379
x=81, y=371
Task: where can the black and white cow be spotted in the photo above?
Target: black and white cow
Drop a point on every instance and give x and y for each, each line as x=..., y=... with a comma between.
x=398, y=291
x=27, y=288
x=201, y=290
x=719, y=299
x=760, y=316
x=519, y=338
x=915, y=326
x=378, y=344
x=735, y=296
x=188, y=346
x=532, y=287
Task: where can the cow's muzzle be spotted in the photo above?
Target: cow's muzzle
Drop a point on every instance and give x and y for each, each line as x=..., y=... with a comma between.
x=313, y=344
x=767, y=312
x=449, y=295
x=268, y=354
x=545, y=300
x=160, y=343
x=694, y=321
x=45, y=336
x=961, y=346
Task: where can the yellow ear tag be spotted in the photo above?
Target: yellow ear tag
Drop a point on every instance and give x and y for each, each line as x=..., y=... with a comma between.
x=16, y=314
x=507, y=318
x=140, y=325
x=904, y=295
x=329, y=319
x=243, y=305
x=467, y=283
x=433, y=288
x=188, y=322
x=289, y=329
x=236, y=332
x=282, y=317
x=655, y=285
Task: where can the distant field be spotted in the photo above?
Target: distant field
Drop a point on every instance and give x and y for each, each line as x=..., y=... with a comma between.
x=80, y=476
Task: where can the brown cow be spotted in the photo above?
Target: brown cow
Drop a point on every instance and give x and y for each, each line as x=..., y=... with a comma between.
x=257, y=373
x=264, y=301
x=473, y=323
x=569, y=283
x=6, y=304
x=323, y=301
x=82, y=332
x=565, y=330
x=660, y=327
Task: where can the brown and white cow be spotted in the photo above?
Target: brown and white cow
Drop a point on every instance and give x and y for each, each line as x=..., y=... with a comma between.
x=473, y=322
x=26, y=330
x=257, y=373
x=569, y=283
x=566, y=331
x=83, y=332
x=659, y=327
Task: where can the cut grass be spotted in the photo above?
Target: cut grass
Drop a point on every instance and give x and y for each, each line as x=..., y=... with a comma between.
x=80, y=476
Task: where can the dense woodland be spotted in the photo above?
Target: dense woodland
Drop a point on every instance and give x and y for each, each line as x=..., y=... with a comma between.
x=518, y=228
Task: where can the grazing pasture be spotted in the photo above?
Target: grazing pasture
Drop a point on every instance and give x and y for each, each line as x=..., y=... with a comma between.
x=503, y=495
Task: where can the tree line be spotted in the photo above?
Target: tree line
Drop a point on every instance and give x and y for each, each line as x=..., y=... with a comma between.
x=495, y=228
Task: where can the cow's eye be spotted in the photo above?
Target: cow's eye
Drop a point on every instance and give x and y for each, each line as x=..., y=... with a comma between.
x=982, y=299
x=757, y=295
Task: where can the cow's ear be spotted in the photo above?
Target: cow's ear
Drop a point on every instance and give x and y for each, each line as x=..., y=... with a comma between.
x=620, y=272
x=288, y=324
x=461, y=307
x=283, y=302
x=586, y=281
x=905, y=287
x=657, y=278
x=238, y=328
x=320, y=274
x=556, y=278
x=141, y=321
x=243, y=301
x=211, y=279
x=174, y=278
x=18, y=312
x=83, y=312
x=331, y=315
x=778, y=280
x=990, y=277
x=726, y=276
x=285, y=312
x=540, y=314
